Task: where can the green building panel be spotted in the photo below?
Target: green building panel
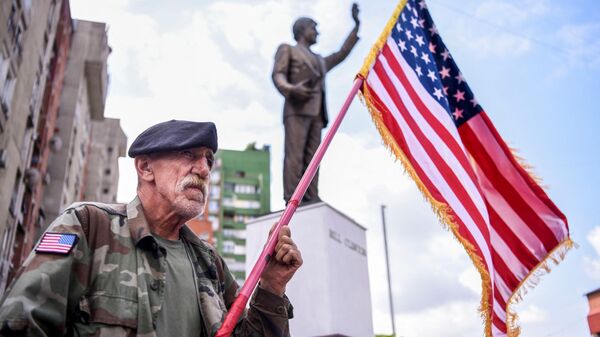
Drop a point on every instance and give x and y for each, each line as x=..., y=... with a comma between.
x=244, y=193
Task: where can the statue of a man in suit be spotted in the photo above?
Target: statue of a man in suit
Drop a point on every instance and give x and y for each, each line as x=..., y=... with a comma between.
x=299, y=75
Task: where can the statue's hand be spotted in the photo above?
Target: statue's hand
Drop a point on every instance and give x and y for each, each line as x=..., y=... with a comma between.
x=355, y=12
x=301, y=92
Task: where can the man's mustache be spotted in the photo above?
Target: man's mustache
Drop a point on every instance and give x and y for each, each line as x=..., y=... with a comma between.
x=193, y=181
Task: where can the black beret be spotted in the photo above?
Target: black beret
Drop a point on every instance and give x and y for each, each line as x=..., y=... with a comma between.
x=175, y=135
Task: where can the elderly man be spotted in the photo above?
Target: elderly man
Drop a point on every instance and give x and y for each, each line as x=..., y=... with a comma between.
x=137, y=269
x=299, y=75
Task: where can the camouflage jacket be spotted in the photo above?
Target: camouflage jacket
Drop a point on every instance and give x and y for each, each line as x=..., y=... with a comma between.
x=112, y=283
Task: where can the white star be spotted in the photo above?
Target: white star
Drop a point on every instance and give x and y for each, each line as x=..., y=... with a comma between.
x=413, y=50
x=457, y=113
x=460, y=78
x=408, y=5
x=445, y=72
x=413, y=22
x=398, y=27
x=422, y=23
x=446, y=54
x=422, y=4
x=414, y=10
x=403, y=17
x=432, y=47
x=419, y=40
x=460, y=95
x=402, y=45
x=409, y=35
x=425, y=58
x=431, y=75
x=474, y=102
x=419, y=72
x=433, y=30
x=446, y=90
x=438, y=93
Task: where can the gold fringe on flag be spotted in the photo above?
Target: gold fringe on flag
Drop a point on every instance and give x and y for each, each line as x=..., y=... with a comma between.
x=556, y=256
x=527, y=167
x=370, y=59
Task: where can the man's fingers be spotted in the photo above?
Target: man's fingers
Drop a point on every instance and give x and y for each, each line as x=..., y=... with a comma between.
x=293, y=258
x=285, y=231
x=283, y=249
x=284, y=240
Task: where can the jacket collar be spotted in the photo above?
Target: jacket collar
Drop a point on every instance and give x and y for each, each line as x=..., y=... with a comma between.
x=138, y=225
x=140, y=230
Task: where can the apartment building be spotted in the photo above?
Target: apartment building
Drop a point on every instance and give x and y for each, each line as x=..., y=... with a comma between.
x=240, y=192
x=27, y=34
x=56, y=146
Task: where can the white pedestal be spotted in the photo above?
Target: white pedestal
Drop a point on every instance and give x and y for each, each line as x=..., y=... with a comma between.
x=330, y=293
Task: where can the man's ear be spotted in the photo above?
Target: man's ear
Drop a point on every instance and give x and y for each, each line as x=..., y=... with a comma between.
x=143, y=168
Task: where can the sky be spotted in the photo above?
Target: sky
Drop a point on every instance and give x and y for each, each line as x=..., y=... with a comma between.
x=534, y=66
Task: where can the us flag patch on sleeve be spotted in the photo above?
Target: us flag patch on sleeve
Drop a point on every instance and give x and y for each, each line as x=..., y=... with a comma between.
x=57, y=243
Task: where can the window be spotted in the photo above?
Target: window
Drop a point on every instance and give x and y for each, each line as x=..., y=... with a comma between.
x=234, y=233
x=105, y=190
x=215, y=176
x=228, y=247
x=7, y=93
x=107, y=172
x=110, y=150
x=215, y=192
x=240, y=174
x=242, y=218
x=15, y=195
x=245, y=189
x=213, y=206
x=16, y=27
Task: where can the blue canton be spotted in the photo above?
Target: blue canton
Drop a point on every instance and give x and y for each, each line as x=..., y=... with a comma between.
x=423, y=49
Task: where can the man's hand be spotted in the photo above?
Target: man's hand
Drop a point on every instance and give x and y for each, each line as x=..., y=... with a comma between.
x=284, y=262
x=355, y=12
x=301, y=92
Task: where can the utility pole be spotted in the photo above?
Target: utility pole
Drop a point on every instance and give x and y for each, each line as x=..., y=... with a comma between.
x=387, y=261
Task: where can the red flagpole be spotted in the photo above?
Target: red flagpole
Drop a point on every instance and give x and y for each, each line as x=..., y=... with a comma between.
x=237, y=308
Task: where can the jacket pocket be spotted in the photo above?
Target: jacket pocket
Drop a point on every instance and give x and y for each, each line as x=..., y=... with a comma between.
x=110, y=310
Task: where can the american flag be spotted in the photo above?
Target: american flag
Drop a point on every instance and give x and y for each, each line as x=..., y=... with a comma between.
x=58, y=243
x=428, y=116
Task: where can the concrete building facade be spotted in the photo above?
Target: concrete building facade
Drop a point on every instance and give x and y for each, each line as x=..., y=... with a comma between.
x=53, y=87
x=108, y=144
x=45, y=142
x=82, y=101
x=27, y=33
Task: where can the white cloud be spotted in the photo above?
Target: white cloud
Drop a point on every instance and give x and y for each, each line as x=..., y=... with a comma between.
x=592, y=264
x=532, y=314
x=458, y=318
x=581, y=43
x=594, y=238
x=470, y=279
x=504, y=13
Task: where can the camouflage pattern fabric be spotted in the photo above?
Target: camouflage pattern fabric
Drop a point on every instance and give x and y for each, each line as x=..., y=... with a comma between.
x=112, y=283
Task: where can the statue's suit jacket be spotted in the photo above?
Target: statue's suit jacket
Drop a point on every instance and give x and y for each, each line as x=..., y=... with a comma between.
x=294, y=64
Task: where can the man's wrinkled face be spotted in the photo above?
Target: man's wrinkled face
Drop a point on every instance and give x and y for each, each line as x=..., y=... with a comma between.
x=182, y=177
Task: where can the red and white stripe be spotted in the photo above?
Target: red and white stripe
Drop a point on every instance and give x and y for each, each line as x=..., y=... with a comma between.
x=506, y=217
x=50, y=243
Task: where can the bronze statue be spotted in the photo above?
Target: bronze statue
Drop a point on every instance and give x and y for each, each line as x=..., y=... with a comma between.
x=299, y=75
